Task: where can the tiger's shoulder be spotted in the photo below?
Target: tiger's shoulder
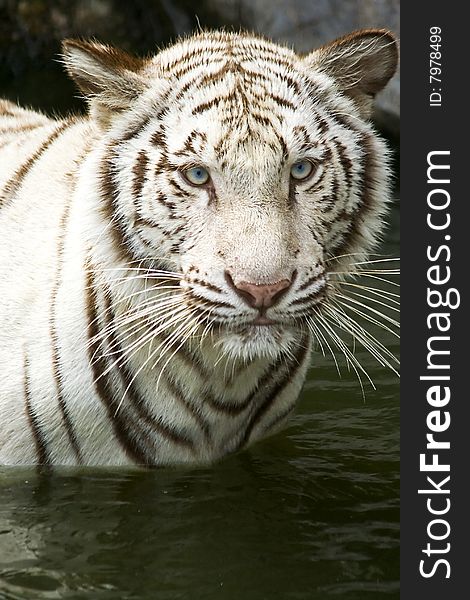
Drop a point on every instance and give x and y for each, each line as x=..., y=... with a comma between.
x=14, y=119
x=27, y=136
x=18, y=124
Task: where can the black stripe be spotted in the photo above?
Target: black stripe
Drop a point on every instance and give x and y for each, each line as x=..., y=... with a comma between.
x=282, y=101
x=109, y=194
x=137, y=129
x=139, y=169
x=234, y=409
x=119, y=420
x=178, y=191
x=187, y=86
x=200, y=108
x=365, y=206
x=188, y=145
x=270, y=55
x=284, y=148
x=16, y=180
x=56, y=368
x=316, y=184
x=148, y=222
x=302, y=135
x=333, y=197
x=193, y=64
x=290, y=81
x=231, y=409
x=206, y=284
x=288, y=372
x=318, y=95
x=311, y=281
x=326, y=203
x=263, y=119
x=42, y=452
x=211, y=78
x=194, y=300
x=180, y=395
x=192, y=361
x=300, y=315
x=345, y=161
x=315, y=297
x=167, y=431
x=158, y=138
x=136, y=401
x=322, y=125
x=109, y=188
x=171, y=206
x=279, y=418
x=316, y=234
x=267, y=95
x=234, y=66
x=329, y=110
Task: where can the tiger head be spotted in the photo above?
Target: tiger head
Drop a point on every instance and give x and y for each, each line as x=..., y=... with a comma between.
x=250, y=171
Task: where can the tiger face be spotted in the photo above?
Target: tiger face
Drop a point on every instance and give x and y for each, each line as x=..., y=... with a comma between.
x=249, y=171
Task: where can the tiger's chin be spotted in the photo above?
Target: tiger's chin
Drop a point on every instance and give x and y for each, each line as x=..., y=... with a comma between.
x=258, y=341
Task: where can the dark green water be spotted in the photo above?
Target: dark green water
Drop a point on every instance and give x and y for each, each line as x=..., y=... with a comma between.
x=311, y=513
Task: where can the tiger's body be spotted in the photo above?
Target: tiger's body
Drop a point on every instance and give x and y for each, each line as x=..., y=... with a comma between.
x=148, y=316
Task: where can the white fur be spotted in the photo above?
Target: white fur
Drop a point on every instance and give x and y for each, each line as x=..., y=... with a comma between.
x=55, y=230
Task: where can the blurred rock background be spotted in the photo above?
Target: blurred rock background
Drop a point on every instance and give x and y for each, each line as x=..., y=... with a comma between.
x=31, y=30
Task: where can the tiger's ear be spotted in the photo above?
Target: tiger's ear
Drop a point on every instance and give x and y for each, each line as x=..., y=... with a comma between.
x=109, y=78
x=362, y=63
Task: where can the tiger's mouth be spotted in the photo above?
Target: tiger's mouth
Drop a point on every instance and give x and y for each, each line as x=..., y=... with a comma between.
x=264, y=324
x=249, y=340
x=263, y=321
x=291, y=319
x=223, y=318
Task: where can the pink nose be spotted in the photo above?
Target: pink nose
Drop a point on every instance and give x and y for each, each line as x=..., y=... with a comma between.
x=259, y=295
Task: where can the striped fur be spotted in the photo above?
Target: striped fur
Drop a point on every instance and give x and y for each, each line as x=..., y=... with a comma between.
x=124, y=338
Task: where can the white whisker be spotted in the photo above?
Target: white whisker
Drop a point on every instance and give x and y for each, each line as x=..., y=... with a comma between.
x=388, y=306
x=370, y=308
x=318, y=333
x=376, y=291
x=372, y=345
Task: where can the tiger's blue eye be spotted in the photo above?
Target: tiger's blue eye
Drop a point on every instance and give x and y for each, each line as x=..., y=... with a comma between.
x=301, y=169
x=197, y=175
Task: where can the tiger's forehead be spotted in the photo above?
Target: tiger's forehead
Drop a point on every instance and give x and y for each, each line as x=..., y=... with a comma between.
x=239, y=90
x=245, y=70
x=214, y=49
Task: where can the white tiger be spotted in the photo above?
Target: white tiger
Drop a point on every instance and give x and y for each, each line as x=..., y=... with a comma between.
x=166, y=259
